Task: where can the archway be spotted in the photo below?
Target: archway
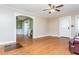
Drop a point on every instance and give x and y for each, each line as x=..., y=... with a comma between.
x=24, y=26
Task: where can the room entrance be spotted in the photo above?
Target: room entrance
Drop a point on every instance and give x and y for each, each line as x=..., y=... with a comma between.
x=24, y=26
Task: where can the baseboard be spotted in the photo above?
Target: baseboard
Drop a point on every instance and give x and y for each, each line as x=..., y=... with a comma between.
x=4, y=43
x=35, y=37
x=55, y=35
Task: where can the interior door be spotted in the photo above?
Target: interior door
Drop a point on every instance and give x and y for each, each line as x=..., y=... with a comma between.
x=64, y=27
x=77, y=24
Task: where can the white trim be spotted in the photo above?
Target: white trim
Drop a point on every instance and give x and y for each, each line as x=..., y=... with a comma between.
x=4, y=43
x=39, y=36
x=45, y=36
x=55, y=35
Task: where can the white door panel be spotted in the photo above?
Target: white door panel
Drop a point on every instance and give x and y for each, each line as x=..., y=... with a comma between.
x=64, y=27
x=77, y=24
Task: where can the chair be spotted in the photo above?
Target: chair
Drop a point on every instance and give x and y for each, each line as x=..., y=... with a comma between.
x=74, y=45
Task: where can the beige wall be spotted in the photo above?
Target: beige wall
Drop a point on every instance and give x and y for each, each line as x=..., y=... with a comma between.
x=40, y=28
x=54, y=27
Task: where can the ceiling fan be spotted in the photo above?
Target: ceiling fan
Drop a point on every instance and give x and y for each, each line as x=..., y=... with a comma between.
x=53, y=8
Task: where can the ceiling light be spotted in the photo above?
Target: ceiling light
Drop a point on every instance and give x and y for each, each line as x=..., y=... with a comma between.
x=52, y=10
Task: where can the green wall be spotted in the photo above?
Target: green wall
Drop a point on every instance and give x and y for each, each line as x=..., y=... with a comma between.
x=19, y=24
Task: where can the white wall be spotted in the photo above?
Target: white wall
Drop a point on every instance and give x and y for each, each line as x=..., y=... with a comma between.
x=7, y=25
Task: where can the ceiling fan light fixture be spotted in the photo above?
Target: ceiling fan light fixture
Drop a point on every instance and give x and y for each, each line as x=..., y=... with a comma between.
x=52, y=10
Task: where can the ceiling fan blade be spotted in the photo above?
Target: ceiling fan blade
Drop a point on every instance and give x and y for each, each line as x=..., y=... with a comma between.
x=57, y=10
x=50, y=5
x=53, y=6
x=59, y=6
x=45, y=9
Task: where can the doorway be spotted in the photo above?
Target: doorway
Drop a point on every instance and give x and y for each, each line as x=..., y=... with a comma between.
x=24, y=26
x=64, y=26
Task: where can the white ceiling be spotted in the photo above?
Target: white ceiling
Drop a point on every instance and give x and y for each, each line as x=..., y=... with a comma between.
x=37, y=9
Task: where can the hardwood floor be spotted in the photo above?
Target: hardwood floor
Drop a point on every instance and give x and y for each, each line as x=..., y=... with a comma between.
x=41, y=46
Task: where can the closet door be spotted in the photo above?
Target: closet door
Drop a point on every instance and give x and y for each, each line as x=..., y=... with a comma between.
x=64, y=26
x=77, y=24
